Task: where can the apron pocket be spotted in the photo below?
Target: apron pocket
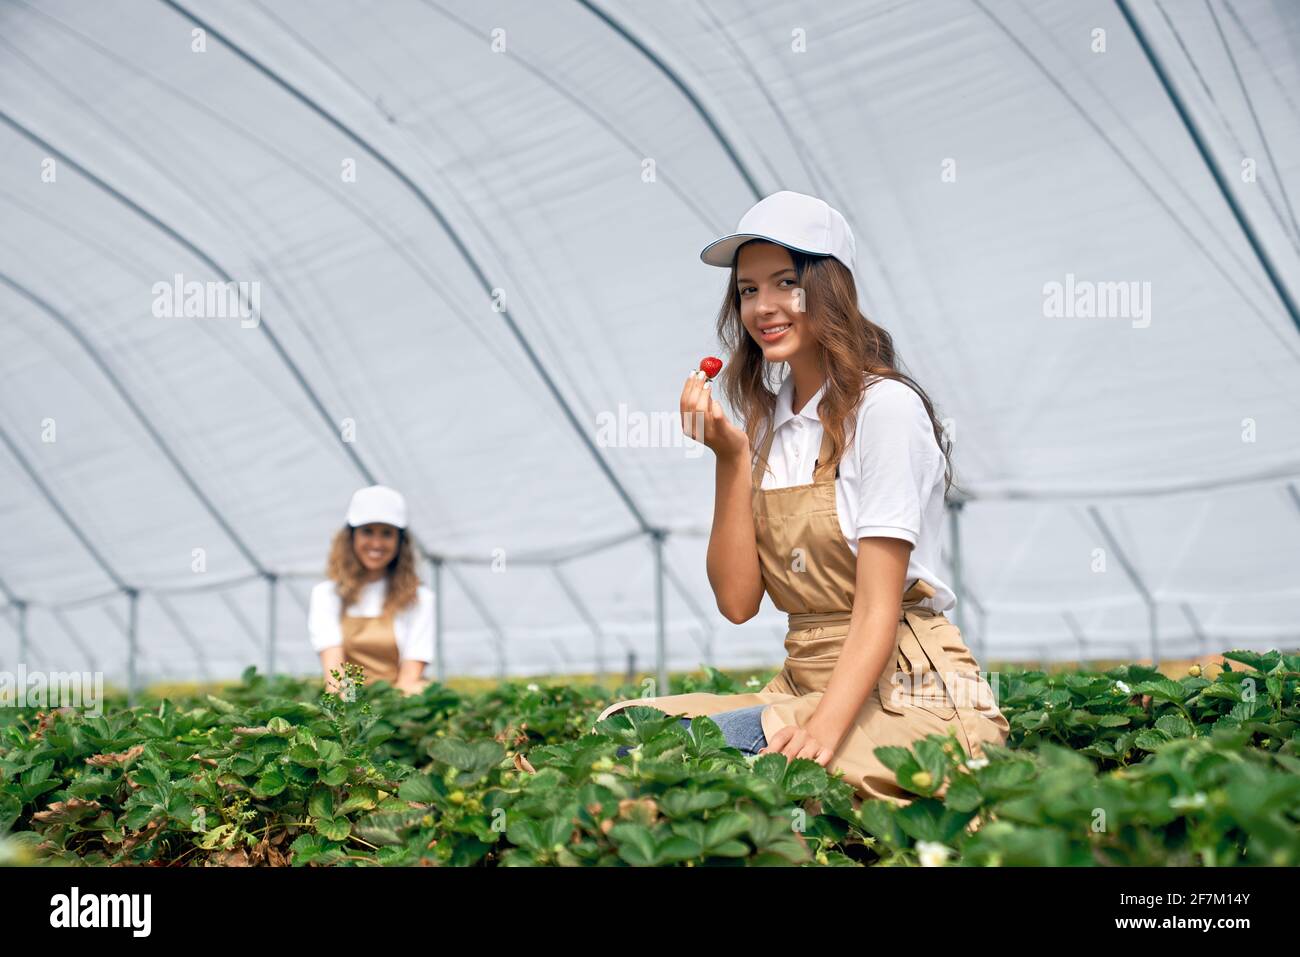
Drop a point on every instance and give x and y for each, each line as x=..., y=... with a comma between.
x=922, y=683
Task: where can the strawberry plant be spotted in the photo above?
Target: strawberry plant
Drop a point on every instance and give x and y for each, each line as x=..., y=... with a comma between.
x=1128, y=767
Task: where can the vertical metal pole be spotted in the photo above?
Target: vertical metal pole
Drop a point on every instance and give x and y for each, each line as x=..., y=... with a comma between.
x=133, y=622
x=661, y=645
x=271, y=594
x=1155, y=647
x=958, y=583
x=22, y=633
x=439, y=665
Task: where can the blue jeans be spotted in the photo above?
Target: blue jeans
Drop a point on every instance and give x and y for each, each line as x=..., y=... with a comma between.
x=742, y=729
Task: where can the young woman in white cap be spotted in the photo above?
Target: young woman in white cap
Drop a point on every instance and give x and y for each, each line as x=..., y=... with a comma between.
x=372, y=610
x=830, y=500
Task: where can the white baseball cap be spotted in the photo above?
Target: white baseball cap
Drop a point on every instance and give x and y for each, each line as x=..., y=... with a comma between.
x=377, y=503
x=794, y=220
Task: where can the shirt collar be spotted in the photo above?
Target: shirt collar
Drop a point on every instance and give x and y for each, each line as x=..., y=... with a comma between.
x=785, y=404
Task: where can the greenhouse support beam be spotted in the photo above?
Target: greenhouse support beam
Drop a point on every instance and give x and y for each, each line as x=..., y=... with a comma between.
x=1194, y=131
x=23, y=647
x=1073, y=624
x=597, y=634
x=661, y=645
x=188, y=636
x=132, y=634
x=237, y=613
x=453, y=235
x=75, y=638
x=958, y=579
x=488, y=619
x=187, y=479
x=1197, y=630
x=1113, y=544
x=689, y=600
x=271, y=594
x=439, y=637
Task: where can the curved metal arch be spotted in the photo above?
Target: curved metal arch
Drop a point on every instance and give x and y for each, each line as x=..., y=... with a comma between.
x=204, y=258
x=451, y=233
x=1194, y=131
x=55, y=504
x=685, y=90
x=72, y=330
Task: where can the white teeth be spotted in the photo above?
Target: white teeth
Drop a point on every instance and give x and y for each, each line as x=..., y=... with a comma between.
x=768, y=332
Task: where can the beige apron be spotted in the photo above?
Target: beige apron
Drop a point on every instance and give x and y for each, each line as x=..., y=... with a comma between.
x=372, y=644
x=932, y=684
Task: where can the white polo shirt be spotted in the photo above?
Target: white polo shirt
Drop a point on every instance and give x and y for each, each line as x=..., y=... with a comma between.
x=891, y=477
x=413, y=626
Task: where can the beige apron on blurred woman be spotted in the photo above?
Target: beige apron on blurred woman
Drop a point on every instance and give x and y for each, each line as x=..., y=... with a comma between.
x=372, y=644
x=931, y=685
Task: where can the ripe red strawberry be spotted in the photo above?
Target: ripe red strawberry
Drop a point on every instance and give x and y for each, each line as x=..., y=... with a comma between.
x=710, y=366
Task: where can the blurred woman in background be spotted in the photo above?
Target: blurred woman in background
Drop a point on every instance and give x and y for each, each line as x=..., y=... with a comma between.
x=372, y=610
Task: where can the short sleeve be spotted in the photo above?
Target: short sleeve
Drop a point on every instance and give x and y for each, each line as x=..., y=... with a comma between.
x=415, y=637
x=323, y=617
x=897, y=458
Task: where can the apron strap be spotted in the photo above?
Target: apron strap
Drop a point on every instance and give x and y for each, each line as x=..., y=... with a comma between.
x=823, y=454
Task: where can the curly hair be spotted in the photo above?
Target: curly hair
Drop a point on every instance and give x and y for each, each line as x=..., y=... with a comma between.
x=348, y=574
x=852, y=345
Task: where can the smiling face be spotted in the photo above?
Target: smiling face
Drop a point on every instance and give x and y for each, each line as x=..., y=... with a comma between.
x=771, y=303
x=375, y=545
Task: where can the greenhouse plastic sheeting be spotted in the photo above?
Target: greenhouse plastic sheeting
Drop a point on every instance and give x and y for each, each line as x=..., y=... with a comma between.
x=474, y=230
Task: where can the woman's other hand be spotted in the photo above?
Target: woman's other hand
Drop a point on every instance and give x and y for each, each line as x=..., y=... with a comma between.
x=805, y=742
x=411, y=686
x=705, y=422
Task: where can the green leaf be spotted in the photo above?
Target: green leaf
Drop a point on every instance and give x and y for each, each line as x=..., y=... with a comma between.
x=331, y=752
x=1151, y=738
x=636, y=845
x=321, y=803
x=305, y=755
x=723, y=829
x=1175, y=725
x=770, y=767
x=526, y=833
x=880, y=818
x=894, y=757
x=804, y=779
x=334, y=828
x=679, y=802
x=419, y=788
x=963, y=794
x=1162, y=689
x=269, y=784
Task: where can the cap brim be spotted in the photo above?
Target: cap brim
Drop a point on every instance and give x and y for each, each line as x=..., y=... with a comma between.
x=722, y=252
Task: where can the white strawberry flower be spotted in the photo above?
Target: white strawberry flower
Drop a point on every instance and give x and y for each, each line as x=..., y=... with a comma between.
x=932, y=854
x=976, y=763
x=1123, y=687
x=1184, y=802
x=752, y=683
x=533, y=687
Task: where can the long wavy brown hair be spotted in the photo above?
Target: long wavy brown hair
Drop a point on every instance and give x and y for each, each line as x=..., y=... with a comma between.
x=348, y=574
x=851, y=346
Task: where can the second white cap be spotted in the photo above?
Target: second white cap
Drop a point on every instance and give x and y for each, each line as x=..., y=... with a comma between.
x=377, y=503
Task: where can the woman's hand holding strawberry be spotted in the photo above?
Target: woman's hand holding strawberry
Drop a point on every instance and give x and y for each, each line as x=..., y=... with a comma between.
x=703, y=418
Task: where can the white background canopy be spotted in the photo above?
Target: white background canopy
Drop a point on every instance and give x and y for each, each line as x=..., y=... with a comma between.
x=474, y=230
